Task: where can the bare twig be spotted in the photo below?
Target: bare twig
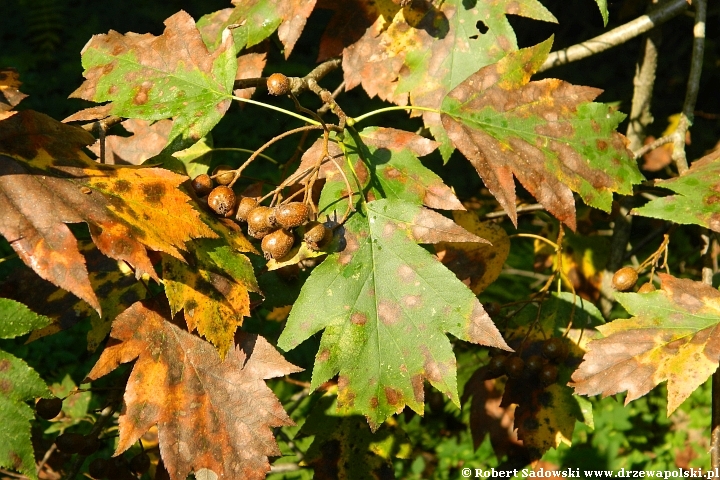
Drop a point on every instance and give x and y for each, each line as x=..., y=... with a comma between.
x=652, y=146
x=45, y=458
x=528, y=208
x=617, y=36
x=103, y=124
x=285, y=467
x=298, y=85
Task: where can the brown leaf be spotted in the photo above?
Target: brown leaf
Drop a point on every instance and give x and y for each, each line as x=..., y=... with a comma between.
x=10, y=94
x=147, y=141
x=210, y=413
x=47, y=181
x=250, y=65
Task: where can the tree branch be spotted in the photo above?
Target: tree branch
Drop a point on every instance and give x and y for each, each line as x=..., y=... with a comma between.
x=616, y=36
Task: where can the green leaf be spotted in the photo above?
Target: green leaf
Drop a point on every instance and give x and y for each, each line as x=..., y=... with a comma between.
x=697, y=200
x=672, y=335
x=602, y=5
x=173, y=75
x=18, y=384
x=549, y=134
x=16, y=319
x=386, y=306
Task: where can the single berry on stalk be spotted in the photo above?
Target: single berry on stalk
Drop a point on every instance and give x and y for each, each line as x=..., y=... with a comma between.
x=278, y=84
x=548, y=374
x=99, y=467
x=646, y=288
x=202, y=184
x=260, y=219
x=70, y=442
x=222, y=201
x=624, y=279
x=245, y=206
x=140, y=463
x=554, y=349
x=222, y=177
x=534, y=363
x=515, y=367
x=317, y=235
x=48, y=408
x=496, y=366
x=292, y=214
x=277, y=244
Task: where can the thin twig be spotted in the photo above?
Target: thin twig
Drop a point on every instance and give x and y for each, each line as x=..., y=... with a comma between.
x=529, y=208
x=298, y=85
x=617, y=36
x=45, y=458
x=655, y=144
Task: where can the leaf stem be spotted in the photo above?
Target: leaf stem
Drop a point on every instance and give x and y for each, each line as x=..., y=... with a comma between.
x=352, y=121
x=537, y=237
x=244, y=150
x=277, y=109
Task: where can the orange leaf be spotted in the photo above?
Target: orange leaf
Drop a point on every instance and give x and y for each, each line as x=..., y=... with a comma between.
x=210, y=413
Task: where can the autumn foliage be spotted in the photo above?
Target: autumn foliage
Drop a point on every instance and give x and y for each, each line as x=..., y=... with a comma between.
x=365, y=254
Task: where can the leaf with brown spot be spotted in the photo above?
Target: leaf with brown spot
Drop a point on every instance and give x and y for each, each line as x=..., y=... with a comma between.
x=212, y=289
x=549, y=134
x=147, y=141
x=154, y=78
x=477, y=265
x=344, y=446
x=250, y=65
x=671, y=336
x=697, y=199
x=210, y=413
x=47, y=181
x=419, y=53
x=10, y=94
x=256, y=20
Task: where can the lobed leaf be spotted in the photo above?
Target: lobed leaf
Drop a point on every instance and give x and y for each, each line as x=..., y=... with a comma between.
x=10, y=94
x=672, y=335
x=153, y=78
x=697, y=200
x=17, y=319
x=547, y=133
x=148, y=140
x=211, y=414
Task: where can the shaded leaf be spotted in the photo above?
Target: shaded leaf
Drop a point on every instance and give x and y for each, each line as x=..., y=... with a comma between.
x=153, y=78
x=547, y=133
x=213, y=290
x=421, y=52
x=196, y=159
x=344, y=446
x=16, y=319
x=210, y=413
x=49, y=181
x=256, y=20
x=387, y=304
x=698, y=196
x=10, y=94
x=672, y=335
x=477, y=265
x=147, y=141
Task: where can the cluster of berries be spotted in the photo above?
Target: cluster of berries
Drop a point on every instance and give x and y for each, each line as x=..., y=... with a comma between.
x=528, y=365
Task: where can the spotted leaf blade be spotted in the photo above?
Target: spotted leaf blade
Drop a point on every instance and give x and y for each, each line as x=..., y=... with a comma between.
x=210, y=413
x=387, y=305
x=671, y=336
x=18, y=384
x=548, y=134
x=153, y=78
x=697, y=200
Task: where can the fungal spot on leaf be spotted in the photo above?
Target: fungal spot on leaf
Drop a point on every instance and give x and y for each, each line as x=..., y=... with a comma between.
x=4, y=365
x=121, y=186
x=323, y=355
x=374, y=403
x=154, y=192
x=418, y=388
x=388, y=312
x=6, y=386
x=393, y=396
x=358, y=318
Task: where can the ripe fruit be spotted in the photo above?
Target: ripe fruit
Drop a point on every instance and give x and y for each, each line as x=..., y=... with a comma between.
x=202, y=184
x=534, y=363
x=554, y=349
x=140, y=463
x=70, y=442
x=646, y=288
x=548, y=374
x=278, y=84
x=277, y=244
x=99, y=467
x=48, y=408
x=224, y=178
x=624, y=279
x=245, y=205
x=292, y=214
x=92, y=444
x=317, y=235
x=515, y=367
x=496, y=367
x=260, y=221
x=222, y=201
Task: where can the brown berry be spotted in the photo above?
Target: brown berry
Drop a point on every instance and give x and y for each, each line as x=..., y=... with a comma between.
x=245, y=205
x=140, y=463
x=222, y=201
x=222, y=177
x=48, y=408
x=534, y=363
x=624, y=279
x=260, y=219
x=496, y=366
x=277, y=244
x=278, y=84
x=70, y=442
x=646, y=288
x=202, y=184
x=99, y=467
x=515, y=367
x=292, y=214
x=548, y=374
x=92, y=445
x=554, y=349
x=317, y=235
